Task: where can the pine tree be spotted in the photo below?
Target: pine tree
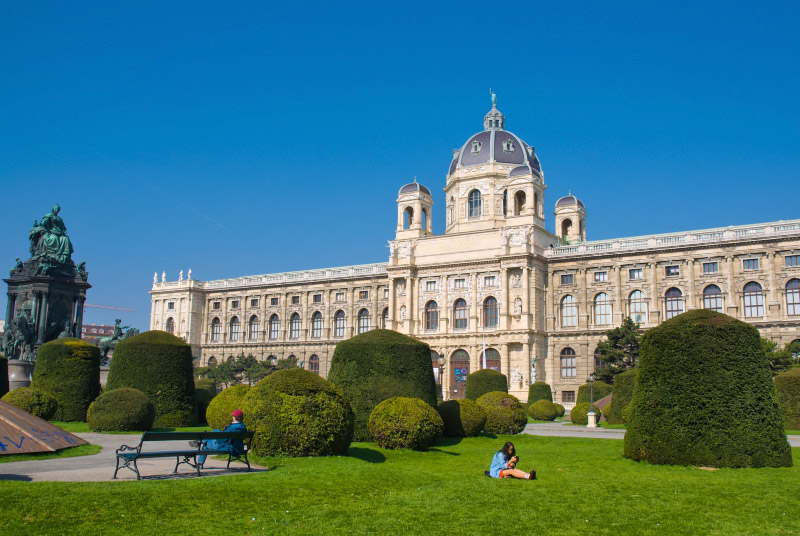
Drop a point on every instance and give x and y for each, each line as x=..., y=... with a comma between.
x=619, y=352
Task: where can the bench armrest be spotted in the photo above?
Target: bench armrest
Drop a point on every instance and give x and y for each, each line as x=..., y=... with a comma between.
x=125, y=448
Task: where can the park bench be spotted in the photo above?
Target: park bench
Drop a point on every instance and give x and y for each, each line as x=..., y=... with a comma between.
x=128, y=455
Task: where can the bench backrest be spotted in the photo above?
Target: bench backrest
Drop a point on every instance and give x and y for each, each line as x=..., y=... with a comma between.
x=228, y=435
x=172, y=436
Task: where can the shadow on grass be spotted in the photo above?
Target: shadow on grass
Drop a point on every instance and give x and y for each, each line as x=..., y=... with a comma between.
x=434, y=449
x=445, y=441
x=367, y=455
x=20, y=478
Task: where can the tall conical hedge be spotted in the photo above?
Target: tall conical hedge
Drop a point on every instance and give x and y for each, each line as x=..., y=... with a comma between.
x=69, y=370
x=160, y=365
x=539, y=391
x=622, y=394
x=704, y=396
x=381, y=364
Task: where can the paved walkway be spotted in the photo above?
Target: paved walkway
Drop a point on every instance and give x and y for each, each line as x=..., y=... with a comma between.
x=100, y=467
x=556, y=429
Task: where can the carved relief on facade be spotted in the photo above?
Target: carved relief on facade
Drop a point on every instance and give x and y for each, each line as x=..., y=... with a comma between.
x=515, y=236
x=401, y=287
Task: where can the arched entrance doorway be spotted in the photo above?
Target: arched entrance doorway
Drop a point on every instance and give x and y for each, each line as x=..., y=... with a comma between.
x=492, y=359
x=459, y=369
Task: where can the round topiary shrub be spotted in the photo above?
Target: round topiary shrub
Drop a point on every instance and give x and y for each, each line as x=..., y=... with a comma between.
x=625, y=414
x=622, y=395
x=159, y=365
x=121, y=410
x=543, y=410
x=788, y=387
x=297, y=413
x=381, y=364
x=601, y=389
x=3, y=375
x=704, y=396
x=484, y=381
x=218, y=414
x=539, y=391
x=34, y=401
x=204, y=392
x=68, y=369
x=579, y=414
x=404, y=423
x=462, y=418
x=505, y=414
x=561, y=410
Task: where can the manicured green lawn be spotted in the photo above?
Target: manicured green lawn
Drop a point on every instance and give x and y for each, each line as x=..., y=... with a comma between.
x=78, y=427
x=80, y=450
x=585, y=486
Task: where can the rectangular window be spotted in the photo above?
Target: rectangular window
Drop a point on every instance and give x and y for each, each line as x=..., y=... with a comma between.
x=430, y=285
x=235, y=304
x=386, y=293
x=710, y=267
x=317, y=298
x=254, y=302
x=340, y=296
x=568, y=396
x=295, y=300
x=215, y=305
x=488, y=281
x=673, y=271
x=600, y=277
x=363, y=294
x=273, y=301
x=750, y=264
x=171, y=305
x=459, y=283
x=793, y=260
x=568, y=279
x=635, y=273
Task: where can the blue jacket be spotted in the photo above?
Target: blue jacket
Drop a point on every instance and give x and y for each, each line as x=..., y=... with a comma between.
x=498, y=462
x=235, y=447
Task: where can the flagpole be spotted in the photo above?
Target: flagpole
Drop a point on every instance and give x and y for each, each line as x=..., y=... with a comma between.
x=484, y=351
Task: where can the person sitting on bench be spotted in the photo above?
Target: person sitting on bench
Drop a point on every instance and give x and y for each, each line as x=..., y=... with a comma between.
x=235, y=447
x=504, y=464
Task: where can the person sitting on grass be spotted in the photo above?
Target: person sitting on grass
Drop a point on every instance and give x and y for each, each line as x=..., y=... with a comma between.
x=504, y=464
x=235, y=447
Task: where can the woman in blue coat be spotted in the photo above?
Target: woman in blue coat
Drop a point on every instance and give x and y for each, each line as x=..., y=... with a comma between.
x=504, y=464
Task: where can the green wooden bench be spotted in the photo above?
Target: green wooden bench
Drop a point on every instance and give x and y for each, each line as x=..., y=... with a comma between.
x=127, y=455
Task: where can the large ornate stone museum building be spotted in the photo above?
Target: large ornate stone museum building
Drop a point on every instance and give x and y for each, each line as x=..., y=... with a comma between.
x=538, y=302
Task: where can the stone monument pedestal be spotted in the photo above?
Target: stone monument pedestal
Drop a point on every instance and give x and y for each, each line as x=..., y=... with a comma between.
x=103, y=375
x=592, y=416
x=20, y=374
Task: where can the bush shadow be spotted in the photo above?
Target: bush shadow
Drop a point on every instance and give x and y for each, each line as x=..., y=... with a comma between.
x=366, y=454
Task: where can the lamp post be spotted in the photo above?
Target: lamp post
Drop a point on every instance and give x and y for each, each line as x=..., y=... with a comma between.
x=441, y=377
x=591, y=416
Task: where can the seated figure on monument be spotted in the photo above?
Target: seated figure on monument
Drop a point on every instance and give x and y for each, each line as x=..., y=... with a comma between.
x=49, y=238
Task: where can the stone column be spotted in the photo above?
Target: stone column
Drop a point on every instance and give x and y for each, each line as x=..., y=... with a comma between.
x=392, y=290
x=409, y=305
x=43, y=319
x=654, y=314
x=474, y=310
x=12, y=298
x=378, y=315
x=79, y=317
x=733, y=305
x=690, y=298
x=444, y=308
x=35, y=311
x=772, y=308
x=526, y=297
x=619, y=311
x=505, y=299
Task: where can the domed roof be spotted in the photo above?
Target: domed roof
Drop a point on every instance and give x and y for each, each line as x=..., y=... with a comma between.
x=414, y=187
x=568, y=201
x=495, y=144
x=520, y=170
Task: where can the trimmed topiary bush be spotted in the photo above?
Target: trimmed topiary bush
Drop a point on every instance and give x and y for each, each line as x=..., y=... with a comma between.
x=788, y=387
x=34, y=401
x=601, y=389
x=3, y=375
x=381, y=364
x=622, y=395
x=484, y=381
x=69, y=370
x=462, y=418
x=539, y=391
x=704, y=396
x=297, y=413
x=625, y=414
x=404, y=423
x=543, y=410
x=204, y=392
x=505, y=414
x=218, y=414
x=561, y=410
x=121, y=410
x=579, y=414
x=159, y=365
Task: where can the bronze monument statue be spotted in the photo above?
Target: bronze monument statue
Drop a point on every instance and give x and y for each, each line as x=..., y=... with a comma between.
x=108, y=343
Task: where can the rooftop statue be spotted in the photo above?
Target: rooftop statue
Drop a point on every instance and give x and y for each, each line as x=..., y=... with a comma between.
x=49, y=240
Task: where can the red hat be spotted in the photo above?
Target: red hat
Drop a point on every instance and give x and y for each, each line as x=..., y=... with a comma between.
x=237, y=413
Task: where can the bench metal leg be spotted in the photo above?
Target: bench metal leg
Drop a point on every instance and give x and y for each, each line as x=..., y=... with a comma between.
x=129, y=464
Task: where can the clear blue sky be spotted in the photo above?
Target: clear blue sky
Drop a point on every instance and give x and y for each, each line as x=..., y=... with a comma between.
x=246, y=138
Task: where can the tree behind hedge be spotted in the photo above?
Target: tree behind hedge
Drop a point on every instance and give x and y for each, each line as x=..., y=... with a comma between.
x=788, y=387
x=159, y=365
x=619, y=351
x=600, y=390
x=3, y=375
x=539, y=391
x=622, y=395
x=484, y=381
x=704, y=396
x=204, y=392
x=381, y=364
x=68, y=369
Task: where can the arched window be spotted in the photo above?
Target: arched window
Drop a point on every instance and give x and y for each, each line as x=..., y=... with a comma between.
x=505, y=202
x=212, y=361
x=253, y=327
x=474, y=204
x=424, y=220
x=712, y=298
x=313, y=364
x=753, y=300
x=598, y=359
x=793, y=297
x=674, y=302
x=274, y=326
x=490, y=312
x=568, y=368
x=316, y=325
x=338, y=324
x=234, y=335
x=637, y=307
x=602, y=309
x=431, y=316
x=566, y=225
x=460, y=314
x=215, y=329
x=385, y=318
x=519, y=203
x=408, y=218
x=492, y=359
x=294, y=326
x=170, y=325
x=569, y=312
x=363, y=321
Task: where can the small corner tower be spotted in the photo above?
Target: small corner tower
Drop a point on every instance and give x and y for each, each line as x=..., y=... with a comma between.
x=414, y=204
x=570, y=219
